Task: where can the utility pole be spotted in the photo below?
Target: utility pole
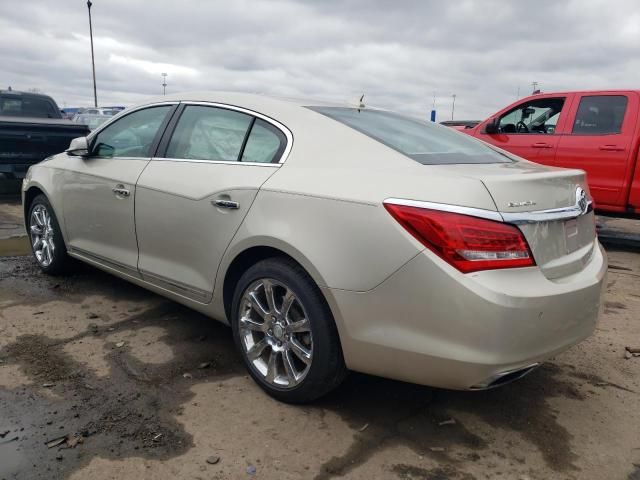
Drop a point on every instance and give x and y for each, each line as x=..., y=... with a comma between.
x=164, y=83
x=535, y=86
x=93, y=62
x=453, y=105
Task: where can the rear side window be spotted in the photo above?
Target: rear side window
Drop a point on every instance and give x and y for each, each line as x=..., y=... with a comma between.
x=209, y=133
x=425, y=142
x=600, y=114
x=265, y=143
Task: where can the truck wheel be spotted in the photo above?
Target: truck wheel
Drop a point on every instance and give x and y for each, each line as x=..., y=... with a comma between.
x=47, y=243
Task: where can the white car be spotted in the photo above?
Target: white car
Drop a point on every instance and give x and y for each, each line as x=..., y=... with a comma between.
x=330, y=237
x=109, y=112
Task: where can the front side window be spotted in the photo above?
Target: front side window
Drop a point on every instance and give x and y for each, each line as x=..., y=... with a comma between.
x=209, y=133
x=425, y=142
x=536, y=116
x=132, y=135
x=265, y=143
x=600, y=115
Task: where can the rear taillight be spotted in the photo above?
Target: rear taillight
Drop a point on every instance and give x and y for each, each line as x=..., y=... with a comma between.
x=468, y=243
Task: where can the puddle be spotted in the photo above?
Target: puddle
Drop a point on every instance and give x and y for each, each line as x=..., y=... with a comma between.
x=135, y=409
x=14, y=246
x=132, y=412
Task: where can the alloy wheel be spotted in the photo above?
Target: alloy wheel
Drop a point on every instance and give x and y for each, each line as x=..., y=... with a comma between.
x=42, y=233
x=275, y=333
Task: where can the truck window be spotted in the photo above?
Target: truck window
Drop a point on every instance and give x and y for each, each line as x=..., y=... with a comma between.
x=27, y=107
x=533, y=117
x=600, y=115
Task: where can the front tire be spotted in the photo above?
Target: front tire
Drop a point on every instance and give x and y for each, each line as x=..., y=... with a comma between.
x=285, y=332
x=47, y=243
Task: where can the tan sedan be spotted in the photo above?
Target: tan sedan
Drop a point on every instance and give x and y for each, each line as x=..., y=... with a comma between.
x=330, y=237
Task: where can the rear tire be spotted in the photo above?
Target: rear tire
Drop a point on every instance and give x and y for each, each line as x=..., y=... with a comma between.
x=44, y=232
x=285, y=332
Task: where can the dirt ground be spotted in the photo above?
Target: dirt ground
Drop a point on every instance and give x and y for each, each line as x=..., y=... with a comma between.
x=123, y=384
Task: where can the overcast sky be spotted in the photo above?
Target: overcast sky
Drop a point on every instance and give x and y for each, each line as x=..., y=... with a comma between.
x=399, y=53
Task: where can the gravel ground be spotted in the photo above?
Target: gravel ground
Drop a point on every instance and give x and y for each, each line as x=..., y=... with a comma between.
x=133, y=386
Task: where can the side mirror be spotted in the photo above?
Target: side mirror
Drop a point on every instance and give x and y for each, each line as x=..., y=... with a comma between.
x=78, y=147
x=492, y=126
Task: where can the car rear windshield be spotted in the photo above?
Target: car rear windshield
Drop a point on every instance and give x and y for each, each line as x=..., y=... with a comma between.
x=425, y=142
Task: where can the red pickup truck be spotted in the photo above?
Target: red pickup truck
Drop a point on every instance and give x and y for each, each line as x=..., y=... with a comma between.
x=596, y=131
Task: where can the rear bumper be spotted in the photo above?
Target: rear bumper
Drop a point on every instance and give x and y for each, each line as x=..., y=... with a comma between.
x=432, y=325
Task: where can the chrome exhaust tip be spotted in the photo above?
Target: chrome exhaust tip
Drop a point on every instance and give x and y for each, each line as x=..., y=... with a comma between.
x=505, y=377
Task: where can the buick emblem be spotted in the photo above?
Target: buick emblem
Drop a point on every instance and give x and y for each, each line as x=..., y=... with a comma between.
x=581, y=200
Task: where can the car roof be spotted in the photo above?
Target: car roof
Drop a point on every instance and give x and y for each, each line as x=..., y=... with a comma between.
x=261, y=103
x=289, y=111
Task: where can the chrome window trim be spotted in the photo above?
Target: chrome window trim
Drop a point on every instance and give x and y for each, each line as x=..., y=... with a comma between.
x=124, y=113
x=554, y=214
x=287, y=133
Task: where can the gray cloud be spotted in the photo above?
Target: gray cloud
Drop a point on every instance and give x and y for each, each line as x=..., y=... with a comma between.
x=399, y=53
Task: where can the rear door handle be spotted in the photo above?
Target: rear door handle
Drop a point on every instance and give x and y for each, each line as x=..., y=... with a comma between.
x=120, y=190
x=611, y=148
x=542, y=145
x=230, y=204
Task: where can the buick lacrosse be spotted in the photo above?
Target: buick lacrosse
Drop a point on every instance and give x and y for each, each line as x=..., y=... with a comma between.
x=330, y=237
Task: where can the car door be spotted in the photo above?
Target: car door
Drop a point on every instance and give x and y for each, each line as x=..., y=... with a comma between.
x=530, y=129
x=99, y=189
x=600, y=141
x=193, y=196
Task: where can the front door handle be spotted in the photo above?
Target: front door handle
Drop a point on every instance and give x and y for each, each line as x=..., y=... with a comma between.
x=230, y=204
x=120, y=190
x=541, y=145
x=611, y=148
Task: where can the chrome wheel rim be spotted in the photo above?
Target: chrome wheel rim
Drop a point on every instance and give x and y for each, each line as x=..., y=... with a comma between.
x=42, y=233
x=275, y=333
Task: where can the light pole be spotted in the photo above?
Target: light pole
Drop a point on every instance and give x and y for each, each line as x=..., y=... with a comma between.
x=93, y=62
x=453, y=105
x=164, y=83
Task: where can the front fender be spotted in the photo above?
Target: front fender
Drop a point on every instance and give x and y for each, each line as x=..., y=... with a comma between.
x=49, y=181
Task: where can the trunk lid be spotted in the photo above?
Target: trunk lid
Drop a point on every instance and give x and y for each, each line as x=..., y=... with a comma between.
x=521, y=190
